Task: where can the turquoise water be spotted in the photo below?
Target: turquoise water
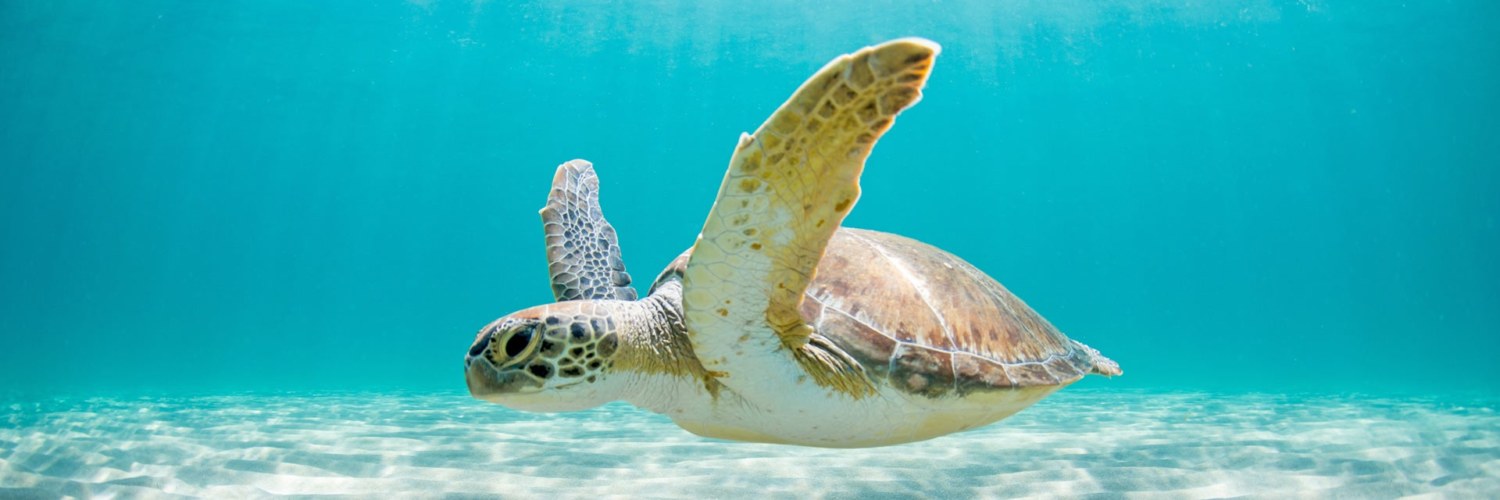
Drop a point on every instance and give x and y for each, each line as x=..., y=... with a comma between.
x=1252, y=196
x=1227, y=197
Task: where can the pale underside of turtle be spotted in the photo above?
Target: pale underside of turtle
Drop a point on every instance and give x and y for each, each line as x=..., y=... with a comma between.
x=779, y=325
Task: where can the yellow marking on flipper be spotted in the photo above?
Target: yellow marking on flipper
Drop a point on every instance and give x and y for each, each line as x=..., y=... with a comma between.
x=788, y=188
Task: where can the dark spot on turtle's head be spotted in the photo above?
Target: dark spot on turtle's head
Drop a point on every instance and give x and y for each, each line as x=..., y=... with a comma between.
x=607, y=345
x=557, y=333
x=550, y=349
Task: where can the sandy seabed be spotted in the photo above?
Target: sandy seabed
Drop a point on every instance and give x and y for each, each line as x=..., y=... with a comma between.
x=1078, y=443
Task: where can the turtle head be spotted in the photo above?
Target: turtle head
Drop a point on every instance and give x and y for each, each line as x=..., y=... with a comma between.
x=555, y=357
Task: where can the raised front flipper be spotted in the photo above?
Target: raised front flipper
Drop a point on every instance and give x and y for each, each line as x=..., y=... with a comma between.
x=583, y=253
x=788, y=188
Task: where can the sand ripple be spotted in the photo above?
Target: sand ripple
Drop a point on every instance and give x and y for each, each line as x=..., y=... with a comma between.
x=1077, y=443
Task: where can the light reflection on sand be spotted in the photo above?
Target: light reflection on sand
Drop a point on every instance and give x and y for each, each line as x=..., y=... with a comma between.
x=1076, y=443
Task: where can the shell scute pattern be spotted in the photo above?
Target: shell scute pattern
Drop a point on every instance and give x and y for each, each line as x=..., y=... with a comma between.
x=840, y=280
x=871, y=348
x=927, y=323
x=922, y=370
x=976, y=373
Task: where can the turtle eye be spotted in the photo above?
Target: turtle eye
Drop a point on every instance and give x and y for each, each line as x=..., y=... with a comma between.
x=518, y=342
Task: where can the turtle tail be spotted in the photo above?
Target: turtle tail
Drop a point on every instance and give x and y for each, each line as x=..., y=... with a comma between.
x=1102, y=365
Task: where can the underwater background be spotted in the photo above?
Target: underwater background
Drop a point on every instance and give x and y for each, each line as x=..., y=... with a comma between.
x=1253, y=196
x=239, y=198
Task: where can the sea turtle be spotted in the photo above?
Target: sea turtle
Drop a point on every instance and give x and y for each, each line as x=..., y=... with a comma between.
x=779, y=325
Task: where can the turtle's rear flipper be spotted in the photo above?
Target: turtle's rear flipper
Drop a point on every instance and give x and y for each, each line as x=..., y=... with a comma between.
x=1102, y=365
x=583, y=253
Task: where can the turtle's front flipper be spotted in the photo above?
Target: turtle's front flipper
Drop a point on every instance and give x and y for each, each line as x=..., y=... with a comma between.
x=788, y=188
x=583, y=253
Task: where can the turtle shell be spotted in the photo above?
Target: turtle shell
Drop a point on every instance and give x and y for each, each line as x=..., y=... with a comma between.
x=925, y=322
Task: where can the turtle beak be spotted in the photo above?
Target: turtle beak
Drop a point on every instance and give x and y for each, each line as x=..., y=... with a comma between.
x=490, y=384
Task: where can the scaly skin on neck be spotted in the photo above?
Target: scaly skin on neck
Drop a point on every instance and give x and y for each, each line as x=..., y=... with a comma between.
x=655, y=355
